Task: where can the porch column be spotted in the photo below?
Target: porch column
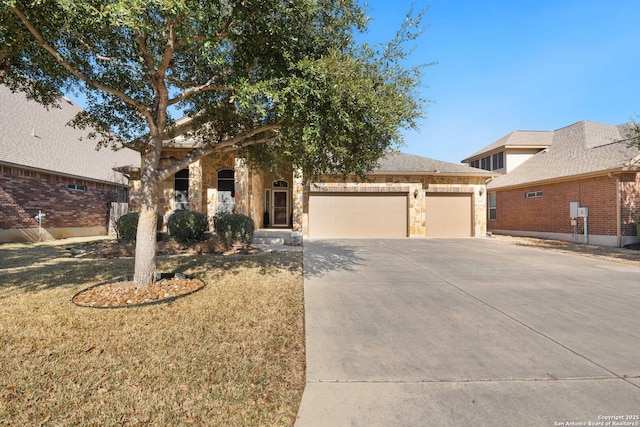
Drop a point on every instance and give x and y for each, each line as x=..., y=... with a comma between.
x=241, y=187
x=195, y=186
x=297, y=200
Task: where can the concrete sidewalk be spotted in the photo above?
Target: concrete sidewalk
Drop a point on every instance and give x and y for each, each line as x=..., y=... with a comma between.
x=440, y=332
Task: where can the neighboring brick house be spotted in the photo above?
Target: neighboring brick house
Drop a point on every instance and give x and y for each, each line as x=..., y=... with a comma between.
x=585, y=163
x=46, y=167
x=406, y=196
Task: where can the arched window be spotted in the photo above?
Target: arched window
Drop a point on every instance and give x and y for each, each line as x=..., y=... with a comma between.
x=280, y=184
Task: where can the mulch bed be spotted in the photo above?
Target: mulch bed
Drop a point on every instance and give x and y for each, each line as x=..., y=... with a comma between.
x=126, y=293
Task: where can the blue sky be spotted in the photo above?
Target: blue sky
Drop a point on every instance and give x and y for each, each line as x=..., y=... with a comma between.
x=517, y=65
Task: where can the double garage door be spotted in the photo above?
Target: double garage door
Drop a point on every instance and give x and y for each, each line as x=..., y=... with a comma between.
x=385, y=215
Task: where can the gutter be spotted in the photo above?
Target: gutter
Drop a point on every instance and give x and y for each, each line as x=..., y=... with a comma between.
x=559, y=179
x=64, y=174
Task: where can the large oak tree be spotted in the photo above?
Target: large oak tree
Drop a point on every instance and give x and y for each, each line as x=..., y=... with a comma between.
x=277, y=80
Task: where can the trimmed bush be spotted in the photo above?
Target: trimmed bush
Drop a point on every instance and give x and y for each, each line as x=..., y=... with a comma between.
x=235, y=228
x=127, y=226
x=187, y=226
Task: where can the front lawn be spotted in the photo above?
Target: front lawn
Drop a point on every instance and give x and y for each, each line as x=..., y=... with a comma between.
x=230, y=354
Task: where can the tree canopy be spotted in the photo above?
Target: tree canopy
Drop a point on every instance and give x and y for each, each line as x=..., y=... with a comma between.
x=274, y=79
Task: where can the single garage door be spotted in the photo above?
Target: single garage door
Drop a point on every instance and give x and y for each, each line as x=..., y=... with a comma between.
x=334, y=215
x=448, y=215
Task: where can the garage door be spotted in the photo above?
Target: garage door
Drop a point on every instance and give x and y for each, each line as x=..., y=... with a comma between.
x=448, y=215
x=362, y=215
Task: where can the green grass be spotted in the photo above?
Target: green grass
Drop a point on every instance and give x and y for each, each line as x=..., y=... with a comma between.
x=231, y=354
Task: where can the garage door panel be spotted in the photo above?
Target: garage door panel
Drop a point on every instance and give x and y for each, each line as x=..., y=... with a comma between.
x=448, y=215
x=362, y=215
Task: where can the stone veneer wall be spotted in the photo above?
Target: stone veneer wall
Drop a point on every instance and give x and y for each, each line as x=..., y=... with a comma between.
x=410, y=183
x=203, y=183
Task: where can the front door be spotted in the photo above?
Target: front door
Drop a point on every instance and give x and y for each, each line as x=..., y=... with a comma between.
x=280, y=208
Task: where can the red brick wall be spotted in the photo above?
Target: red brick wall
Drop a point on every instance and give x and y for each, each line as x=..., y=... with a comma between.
x=630, y=202
x=23, y=193
x=550, y=213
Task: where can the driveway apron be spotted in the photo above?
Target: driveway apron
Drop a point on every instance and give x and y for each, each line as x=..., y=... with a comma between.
x=430, y=332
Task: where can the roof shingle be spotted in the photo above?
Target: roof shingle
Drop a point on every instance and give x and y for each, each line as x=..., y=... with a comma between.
x=582, y=148
x=402, y=162
x=517, y=138
x=33, y=137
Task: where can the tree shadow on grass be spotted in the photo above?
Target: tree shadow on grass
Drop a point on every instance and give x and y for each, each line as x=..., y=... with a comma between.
x=231, y=264
x=34, y=269
x=50, y=273
x=21, y=255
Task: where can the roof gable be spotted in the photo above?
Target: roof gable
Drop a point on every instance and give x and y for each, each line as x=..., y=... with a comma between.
x=36, y=138
x=579, y=149
x=517, y=138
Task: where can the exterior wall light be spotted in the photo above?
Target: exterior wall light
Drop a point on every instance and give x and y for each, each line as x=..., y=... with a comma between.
x=415, y=193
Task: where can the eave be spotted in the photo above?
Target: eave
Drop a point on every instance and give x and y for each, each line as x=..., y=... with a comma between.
x=504, y=148
x=561, y=179
x=63, y=174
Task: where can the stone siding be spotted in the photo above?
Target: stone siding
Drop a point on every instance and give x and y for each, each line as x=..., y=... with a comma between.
x=416, y=186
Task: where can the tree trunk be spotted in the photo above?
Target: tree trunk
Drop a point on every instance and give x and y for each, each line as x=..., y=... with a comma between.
x=145, y=259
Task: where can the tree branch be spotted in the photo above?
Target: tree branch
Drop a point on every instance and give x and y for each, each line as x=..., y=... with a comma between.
x=75, y=72
x=198, y=89
x=229, y=144
x=142, y=44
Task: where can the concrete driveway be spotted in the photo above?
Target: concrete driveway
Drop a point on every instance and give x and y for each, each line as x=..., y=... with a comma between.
x=467, y=332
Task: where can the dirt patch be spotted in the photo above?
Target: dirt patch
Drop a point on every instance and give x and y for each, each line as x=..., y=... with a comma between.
x=630, y=254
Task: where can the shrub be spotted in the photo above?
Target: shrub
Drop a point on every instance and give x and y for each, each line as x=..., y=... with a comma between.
x=235, y=228
x=187, y=226
x=127, y=226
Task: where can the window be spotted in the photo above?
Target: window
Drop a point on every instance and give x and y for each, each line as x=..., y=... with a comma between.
x=497, y=161
x=226, y=181
x=492, y=205
x=77, y=187
x=533, y=194
x=226, y=191
x=485, y=163
x=181, y=190
x=123, y=195
x=280, y=184
x=475, y=164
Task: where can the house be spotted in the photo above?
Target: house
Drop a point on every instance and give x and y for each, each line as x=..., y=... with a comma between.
x=406, y=196
x=45, y=168
x=510, y=151
x=584, y=165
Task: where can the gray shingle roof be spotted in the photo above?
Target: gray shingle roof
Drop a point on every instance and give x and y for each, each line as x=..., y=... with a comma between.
x=409, y=163
x=518, y=138
x=33, y=137
x=582, y=148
